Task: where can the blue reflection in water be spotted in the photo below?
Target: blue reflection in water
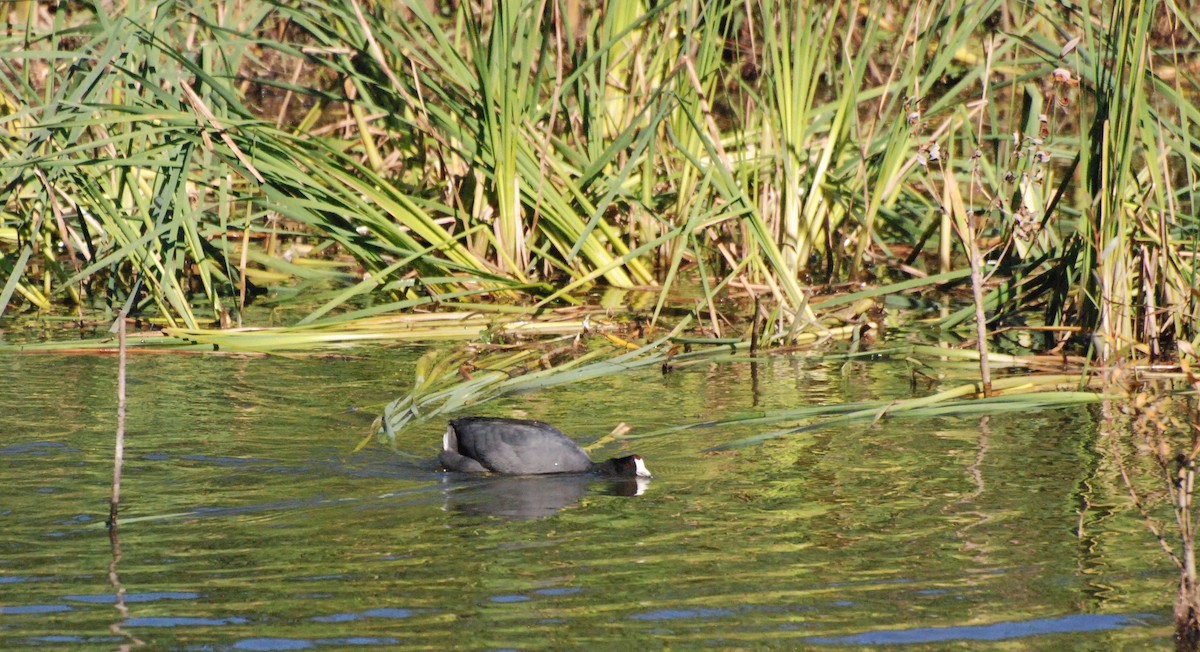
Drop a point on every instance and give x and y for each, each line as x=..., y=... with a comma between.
x=566, y=590
x=274, y=644
x=676, y=614
x=509, y=598
x=34, y=448
x=180, y=621
x=19, y=579
x=993, y=632
x=103, y=598
x=33, y=609
x=64, y=638
x=384, y=612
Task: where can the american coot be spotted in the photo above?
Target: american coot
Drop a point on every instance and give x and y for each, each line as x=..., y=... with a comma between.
x=520, y=447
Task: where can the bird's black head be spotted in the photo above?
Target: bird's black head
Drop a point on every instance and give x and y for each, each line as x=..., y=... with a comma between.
x=630, y=466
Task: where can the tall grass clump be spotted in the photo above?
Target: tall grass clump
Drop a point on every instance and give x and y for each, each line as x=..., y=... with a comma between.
x=383, y=157
x=1139, y=231
x=134, y=172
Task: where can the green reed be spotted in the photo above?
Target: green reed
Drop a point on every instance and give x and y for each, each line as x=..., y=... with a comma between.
x=183, y=159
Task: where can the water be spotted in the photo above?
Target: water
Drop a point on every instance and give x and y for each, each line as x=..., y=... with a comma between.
x=249, y=522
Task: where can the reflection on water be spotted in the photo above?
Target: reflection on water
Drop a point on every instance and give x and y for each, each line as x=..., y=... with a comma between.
x=994, y=632
x=529, y=497
x=249, y=523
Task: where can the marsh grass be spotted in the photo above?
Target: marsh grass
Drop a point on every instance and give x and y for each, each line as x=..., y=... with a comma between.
x=1019, y=166
x=178, y=157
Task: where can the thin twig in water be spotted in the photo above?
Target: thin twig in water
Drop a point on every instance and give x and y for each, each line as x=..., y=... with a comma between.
x=119, y=455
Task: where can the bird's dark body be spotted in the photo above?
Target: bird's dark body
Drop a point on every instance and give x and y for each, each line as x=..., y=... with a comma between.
x=510, y=446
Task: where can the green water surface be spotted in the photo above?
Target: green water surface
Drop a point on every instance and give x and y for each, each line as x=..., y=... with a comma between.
x=250, y=523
